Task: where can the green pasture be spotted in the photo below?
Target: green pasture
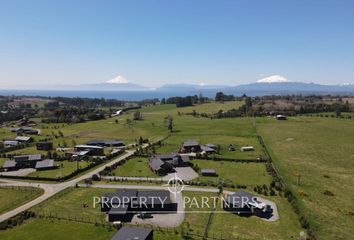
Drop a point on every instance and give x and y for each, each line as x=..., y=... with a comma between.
x=12, y=197
x=249, y=174
x=321, y=151
x=135, y=167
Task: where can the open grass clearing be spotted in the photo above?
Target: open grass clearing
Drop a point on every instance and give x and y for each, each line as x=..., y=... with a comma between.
x=70, y=204
x=135, y=167
x=41, y=229
x=321, y=151
x=249, y=174
x=12, y=197
x=65, y=168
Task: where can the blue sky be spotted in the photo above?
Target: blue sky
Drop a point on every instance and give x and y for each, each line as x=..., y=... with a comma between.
x=163, y=42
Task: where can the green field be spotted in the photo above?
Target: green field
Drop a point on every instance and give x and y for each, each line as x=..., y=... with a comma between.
x=12, y=197
x=65, y=168
x=232, y=226
x=320, y=150
x=248, y=174
x=135, y=167
x=71, y=205
x=43, y=229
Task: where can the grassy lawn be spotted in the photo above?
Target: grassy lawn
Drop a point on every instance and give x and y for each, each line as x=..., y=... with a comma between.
x=70, y=204
x=196, y=221
x=2, y=160
x=12, y=197
x=248, y=174
x=321, y=150
x=135, y=167
x=42, y=229
x=65, y=168
x=232, y=226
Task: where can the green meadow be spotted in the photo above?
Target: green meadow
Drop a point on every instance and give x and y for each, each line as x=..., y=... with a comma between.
x=12, y=197
x=248, y=174
x=134, y=167
x=321, y=151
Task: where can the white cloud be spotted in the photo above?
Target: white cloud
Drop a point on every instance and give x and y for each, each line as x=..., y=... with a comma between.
x=118, y=80
x=202, y=84
x=273, y=79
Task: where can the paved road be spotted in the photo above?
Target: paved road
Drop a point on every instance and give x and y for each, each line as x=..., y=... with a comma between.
x=52, y=189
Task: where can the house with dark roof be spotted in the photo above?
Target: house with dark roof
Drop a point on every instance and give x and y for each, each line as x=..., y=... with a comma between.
x=133, y=233
x=246, y=204
x=44, y=146
x=24, y=139
x=123, y=204
x=45, y=165
x=191, y=146
x=23, y=161
x=25, y=130
x=27, y=161
x=9, y=165
x=207, y=150
x=92, y=150
x=165, y=163
x=11, y=143
x=106, y=143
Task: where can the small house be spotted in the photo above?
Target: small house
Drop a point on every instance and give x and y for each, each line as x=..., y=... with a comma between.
x=208, y=172
x=44, y=146
x=247, y=149
x=11, y=143
x=165, y=163
x=10, y=165
x=27, y=161
x=45, y=165
x=106, y=143
x=24, y=139
x=92, y=150
x=133, y=233
x=191, y=146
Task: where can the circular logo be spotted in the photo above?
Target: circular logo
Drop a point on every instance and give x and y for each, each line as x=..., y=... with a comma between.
x=175, y=185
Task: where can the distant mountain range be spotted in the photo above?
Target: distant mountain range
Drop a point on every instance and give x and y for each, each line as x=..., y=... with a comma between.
x=252, y=89
x=261, y=88
x=272, y=85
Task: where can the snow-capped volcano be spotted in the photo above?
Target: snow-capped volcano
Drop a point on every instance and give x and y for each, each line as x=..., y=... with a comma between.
x=118, y=80
x=118, y=83
x=273, y=79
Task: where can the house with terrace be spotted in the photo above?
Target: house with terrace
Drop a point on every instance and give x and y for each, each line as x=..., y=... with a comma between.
x=165, y=163
x=123, y=204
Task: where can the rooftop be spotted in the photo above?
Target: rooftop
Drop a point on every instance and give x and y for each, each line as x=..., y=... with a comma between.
x=132, y=233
